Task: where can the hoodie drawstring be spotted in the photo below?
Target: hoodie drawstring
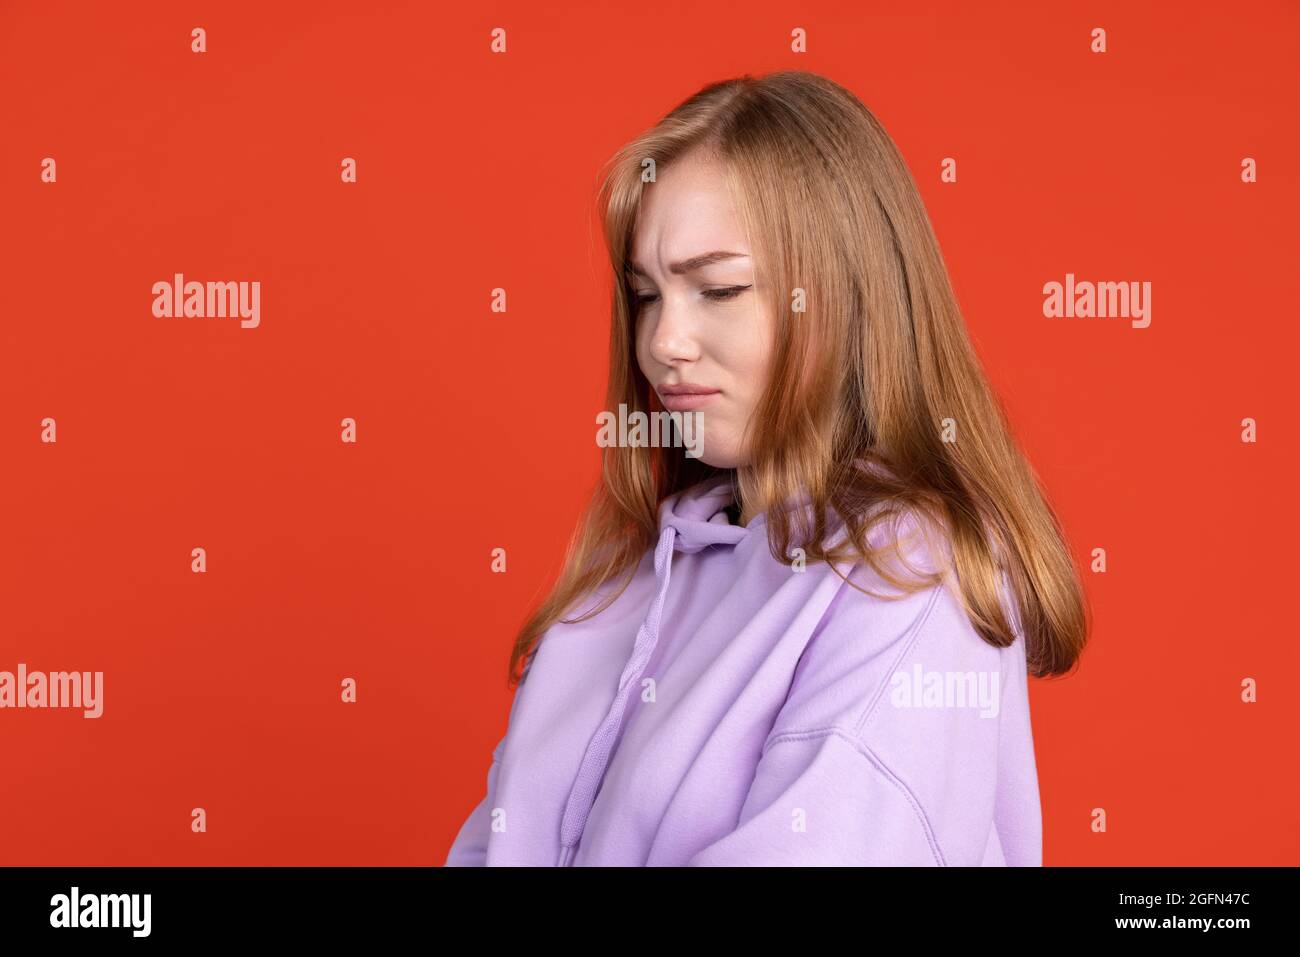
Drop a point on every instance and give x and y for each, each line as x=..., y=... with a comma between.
x=594, y=762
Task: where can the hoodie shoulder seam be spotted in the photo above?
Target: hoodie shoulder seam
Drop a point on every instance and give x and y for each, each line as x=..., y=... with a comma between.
x=883, y=769
x=909, y=640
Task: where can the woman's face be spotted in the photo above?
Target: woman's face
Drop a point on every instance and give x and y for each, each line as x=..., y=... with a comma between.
x=702, y=335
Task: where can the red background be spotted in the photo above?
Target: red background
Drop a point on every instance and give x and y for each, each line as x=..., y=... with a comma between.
x=476, y=430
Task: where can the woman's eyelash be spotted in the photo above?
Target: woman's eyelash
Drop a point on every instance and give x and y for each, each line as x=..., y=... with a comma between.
x=728, y=292
x=717, y=295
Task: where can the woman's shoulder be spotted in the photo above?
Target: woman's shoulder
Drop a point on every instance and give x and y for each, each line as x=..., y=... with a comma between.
x=616, y=597
x=913, y=544
x=874, y=632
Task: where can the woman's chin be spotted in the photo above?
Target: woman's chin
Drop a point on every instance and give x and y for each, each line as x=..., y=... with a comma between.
x=722, y=457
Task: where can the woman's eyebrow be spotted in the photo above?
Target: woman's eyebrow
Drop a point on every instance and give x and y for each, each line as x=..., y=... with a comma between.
x=689, y=265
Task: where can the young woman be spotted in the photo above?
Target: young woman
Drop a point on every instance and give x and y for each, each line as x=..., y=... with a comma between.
x=810, y=643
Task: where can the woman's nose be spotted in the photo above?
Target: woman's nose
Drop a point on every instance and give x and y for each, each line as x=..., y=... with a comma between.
x=674, y=337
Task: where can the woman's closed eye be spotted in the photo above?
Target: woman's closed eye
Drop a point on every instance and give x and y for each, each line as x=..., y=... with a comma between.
x=721, y=294
x=725, y=292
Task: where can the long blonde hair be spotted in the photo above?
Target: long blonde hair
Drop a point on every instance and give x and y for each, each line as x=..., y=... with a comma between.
x=878, y=369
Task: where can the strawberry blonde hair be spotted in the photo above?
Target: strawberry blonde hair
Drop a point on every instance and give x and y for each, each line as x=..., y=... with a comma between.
x=872, y=372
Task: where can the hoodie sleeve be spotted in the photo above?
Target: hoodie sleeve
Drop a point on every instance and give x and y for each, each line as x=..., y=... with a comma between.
x=887, y=749
x=469, y=849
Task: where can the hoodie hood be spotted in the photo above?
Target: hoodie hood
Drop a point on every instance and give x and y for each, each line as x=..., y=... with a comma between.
x=689, y=521
x=697, y=517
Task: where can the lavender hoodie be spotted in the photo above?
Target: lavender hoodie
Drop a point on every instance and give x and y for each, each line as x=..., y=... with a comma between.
x=727, y=710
